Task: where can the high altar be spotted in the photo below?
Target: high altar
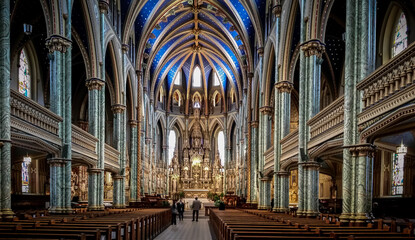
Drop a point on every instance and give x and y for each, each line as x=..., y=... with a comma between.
x=196, y=175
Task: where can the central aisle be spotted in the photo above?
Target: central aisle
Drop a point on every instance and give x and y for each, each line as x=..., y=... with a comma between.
x=188, y=230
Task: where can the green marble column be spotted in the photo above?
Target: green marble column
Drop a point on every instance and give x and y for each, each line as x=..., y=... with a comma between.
x=61, y=93
x=95, y=88
x=359, y=62
x=133, y=161
x=5, y=137
x=119, y=144
x=281, y=129
x=254, y=162
x=250, y=170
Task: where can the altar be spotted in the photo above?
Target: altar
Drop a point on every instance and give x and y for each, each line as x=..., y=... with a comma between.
x=192, y=193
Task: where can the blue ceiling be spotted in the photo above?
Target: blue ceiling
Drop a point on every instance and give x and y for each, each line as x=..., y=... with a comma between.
x=223, y=50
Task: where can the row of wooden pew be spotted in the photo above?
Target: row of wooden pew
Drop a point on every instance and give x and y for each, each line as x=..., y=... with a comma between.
x=140, y=224
x=259, y=224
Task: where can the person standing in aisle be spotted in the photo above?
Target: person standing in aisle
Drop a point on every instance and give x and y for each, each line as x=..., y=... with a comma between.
x=196, y=207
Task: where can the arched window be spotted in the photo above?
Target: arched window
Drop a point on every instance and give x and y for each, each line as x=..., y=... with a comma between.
x=25, y=174
x=197, y=77
x=172, y=144
x=400, y=36
x=24, y=74
x=178, y=79
x=221, y=147
x=216, y=81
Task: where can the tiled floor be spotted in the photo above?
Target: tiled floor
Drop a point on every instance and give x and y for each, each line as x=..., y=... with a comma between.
x=188, y=230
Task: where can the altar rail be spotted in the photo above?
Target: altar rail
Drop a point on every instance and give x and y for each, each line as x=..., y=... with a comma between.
x=390, y=86
x=327, y=124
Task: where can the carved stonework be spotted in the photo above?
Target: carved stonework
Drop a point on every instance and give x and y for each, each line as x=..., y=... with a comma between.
x=313, y=47
x=266, y=110
x=362, y=150
x=284, y=86
x=260, y=51
x=58, y=43
x=254, y=124
x=277, y=10
x=94, y=84
x=104, y=6
x=118, y=108
x=125, y=48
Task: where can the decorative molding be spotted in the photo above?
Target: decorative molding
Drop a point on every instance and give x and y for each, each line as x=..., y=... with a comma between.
x=94, y=84
x=58, y=43
x=284, y=86
x=276, y=9
x=266, y=110
x=125, y=48
x=313, y=47
x=118, y=108
x=362, y=150
x=260, y=51
x=254, y=124
x=104, y=6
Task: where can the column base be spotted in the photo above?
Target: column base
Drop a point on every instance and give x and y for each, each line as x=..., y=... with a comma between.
x=7, y=214
x=119, y=206
x=345, y=219
x=312, y=214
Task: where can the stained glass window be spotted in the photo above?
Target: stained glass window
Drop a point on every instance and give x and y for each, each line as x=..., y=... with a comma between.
x=397, y=173
x=197, y=77
x=25, y=174
x=172, y=144
x=221, y=147
x=216, y=80
x=24, y=74
x=400, y=37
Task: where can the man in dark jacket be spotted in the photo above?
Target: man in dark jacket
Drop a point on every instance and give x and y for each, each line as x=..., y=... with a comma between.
x=180, y=209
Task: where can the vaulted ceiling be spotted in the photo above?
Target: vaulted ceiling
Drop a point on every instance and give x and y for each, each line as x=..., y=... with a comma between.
x=217, y=35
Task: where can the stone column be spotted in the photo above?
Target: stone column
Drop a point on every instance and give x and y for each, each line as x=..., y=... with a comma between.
x=119, y=143
x=133, y=160
x=265, y=112
x=281, y=129
x=254, y=162
x=60, y=90
x=362, y=155
x=93, y=174
x=140, y=137
x=359, y=62
x=250, y=170
x=283, y=187
x=311, y=174
x=166, y=153
x=226, y=162
x=57, y=189
x=95, y=88
x=5, y=138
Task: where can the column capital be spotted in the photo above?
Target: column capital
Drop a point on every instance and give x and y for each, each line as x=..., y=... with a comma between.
x=284, y=86
x=276, y=9
x=94, y=84
x=95, y=170
x=260, y=51
x=118, y=108
x=117, y=177
x=57, y=161
x=310, y=165
x=283, y=173
x=266, y=110
x=133, y=123
x=57, y=43
x=139, y=73
x=125, y=48
x=362, y=150
x=313, y=47
x=254, y=124
x=250, y=75
x=104, y=6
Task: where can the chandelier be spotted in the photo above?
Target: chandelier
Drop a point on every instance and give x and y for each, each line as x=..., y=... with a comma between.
x=401, y=149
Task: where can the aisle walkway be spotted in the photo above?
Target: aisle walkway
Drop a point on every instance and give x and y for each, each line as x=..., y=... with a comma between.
x=188, y=230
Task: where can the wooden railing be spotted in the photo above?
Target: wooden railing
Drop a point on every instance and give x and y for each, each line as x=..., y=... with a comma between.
x=390, y=86
x=289, y=145
x=327, y=124
x=32, y=112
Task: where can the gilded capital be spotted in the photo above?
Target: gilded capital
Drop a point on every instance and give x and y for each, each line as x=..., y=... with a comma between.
x=58, y=43
x=94, y=84
x=266, y=110
x=313, y=47
x=284, y=86
x=118, y=108
x=104, y=6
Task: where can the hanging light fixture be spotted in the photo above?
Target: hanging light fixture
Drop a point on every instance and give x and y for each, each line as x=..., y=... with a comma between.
x=401, y=149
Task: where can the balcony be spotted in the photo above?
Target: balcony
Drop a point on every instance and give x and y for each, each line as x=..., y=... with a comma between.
x=27, y=116
x=289, y=145
x=111, y=157
x=327, y=124
x=390, y=86
x=83, y=142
